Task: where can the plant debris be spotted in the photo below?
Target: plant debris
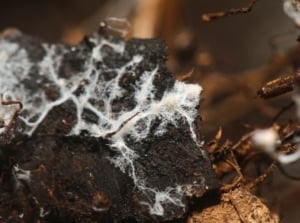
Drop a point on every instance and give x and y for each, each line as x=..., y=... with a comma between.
x=238, y=205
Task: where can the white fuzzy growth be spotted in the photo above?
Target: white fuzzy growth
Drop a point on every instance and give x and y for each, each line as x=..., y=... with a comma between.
x=292, y=10
x=266, y=139
x=43, y=213
x=99, y=209
x=177, y=106
x=20, y=175
x=169, y=196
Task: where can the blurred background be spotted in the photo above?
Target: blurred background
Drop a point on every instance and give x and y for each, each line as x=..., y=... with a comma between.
x=230, y=57
x=235, y=43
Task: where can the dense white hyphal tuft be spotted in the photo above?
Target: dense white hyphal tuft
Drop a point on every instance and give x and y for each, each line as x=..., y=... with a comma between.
x=177, y=105
x=268, y=140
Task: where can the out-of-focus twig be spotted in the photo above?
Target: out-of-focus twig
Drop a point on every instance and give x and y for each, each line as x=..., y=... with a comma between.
x=283, y=110
x=186, y=76
x=238, y=179
x=207, y=17
x=262, y=177
x=146, y=19
x=278, y=86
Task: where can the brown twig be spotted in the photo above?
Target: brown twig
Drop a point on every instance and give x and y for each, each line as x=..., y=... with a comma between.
x=120, y=127
x=262, y=177
x=10, y=126
x=240, y=177
x=278, y=86
x=207, y=17
x=244, y=139
x=187, y=76
x=12, y=102
x=283, y=110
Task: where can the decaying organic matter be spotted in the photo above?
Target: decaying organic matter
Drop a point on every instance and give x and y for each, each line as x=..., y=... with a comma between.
x=105, y=132
x=238, y=205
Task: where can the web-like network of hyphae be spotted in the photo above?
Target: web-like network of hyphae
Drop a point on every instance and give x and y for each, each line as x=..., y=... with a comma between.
x=177, y=103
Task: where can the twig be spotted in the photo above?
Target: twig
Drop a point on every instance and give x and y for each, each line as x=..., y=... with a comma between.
x=121, y=126
x=262, y=177
x=235, y=183
x=10, y=126
x=283, y=110
x=244, y=139
x=240, y=177
x=186, y=76
x=11, y=102
x=278, y=86
x=288, y=150
x=207, y=17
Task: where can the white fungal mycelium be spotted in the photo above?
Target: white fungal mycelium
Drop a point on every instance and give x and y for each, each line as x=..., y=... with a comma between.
x=21, y=176
x=177, y=103
x=268, y=140
x=292, y=10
